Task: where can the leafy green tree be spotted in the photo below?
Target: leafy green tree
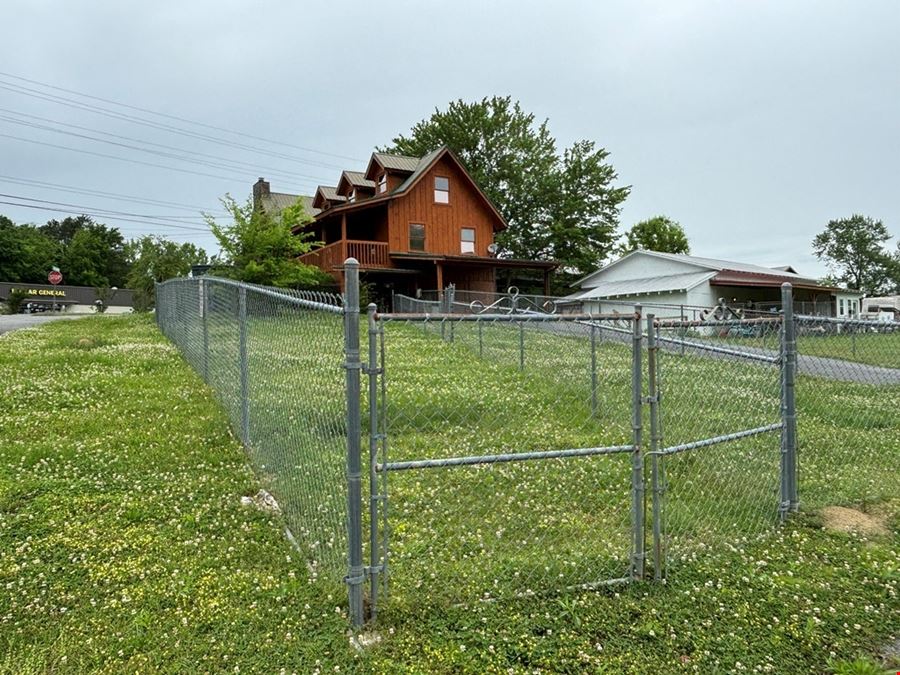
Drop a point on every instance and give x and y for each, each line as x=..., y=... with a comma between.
x=26, y=255
x=92, y=254
x=153, y=259
x=659, y=233
x=62, y=231
x=259, y=248
x=562, y=207
x=854, y=250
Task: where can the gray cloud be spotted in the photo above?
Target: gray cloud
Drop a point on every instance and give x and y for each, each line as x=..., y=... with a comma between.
x=751, y=123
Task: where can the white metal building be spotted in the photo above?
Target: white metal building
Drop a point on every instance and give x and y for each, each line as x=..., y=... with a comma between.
x=696, y=283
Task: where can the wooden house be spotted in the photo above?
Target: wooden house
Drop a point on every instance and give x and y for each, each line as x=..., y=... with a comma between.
x=413, y=223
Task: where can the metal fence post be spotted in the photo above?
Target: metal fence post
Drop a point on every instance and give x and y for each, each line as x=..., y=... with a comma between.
x=655, y=476
x=593, y=370
x=789, y=489
x=373, y=371
x=637, y=462
x=204, y=308
x=521, y=347
x=480, y=341
x=356, y=573
x=244, y=366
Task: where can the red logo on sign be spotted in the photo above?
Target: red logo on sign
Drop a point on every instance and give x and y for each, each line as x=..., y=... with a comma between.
x=54, y=277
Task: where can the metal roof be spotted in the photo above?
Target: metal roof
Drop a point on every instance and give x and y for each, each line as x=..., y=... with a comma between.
x=397, y=162
x=275, y=202
x=421, y=167
x=358, y=179
x=672, y=283
x=330, y=193
x=706, y=263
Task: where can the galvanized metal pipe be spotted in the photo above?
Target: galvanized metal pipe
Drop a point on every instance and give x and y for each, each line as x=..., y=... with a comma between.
x=204, y=307
x=790, y=498
x=637, y=462
x=502, y=458
x=655, y=439
x=356, y=573
x=593, y=371
x=509, y=318
x=372, y=372
x=244, y=366
x=715, y=440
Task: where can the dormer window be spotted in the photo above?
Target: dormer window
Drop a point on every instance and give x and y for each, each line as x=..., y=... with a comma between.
x=352, y=196
x=382, y=183
x=441, y=190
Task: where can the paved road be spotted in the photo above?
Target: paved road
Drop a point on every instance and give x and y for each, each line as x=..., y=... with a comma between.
x=11, y=322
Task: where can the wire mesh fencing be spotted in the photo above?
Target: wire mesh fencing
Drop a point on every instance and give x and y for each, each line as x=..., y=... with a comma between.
x=848, y=398
x=716, y=451
x=477, y=449
x=508, y=440
x=274, y=359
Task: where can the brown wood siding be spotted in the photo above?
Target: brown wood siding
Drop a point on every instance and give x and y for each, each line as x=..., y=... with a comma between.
x=443, y=222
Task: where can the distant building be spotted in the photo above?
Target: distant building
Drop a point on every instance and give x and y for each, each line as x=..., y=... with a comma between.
x=413, y=223
x=70, y=299
x=700, y=283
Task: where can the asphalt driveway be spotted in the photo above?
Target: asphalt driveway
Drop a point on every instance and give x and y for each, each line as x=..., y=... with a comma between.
x=11, y=322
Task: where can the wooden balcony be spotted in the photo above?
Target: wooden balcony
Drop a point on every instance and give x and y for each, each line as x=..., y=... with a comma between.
x=370, y=254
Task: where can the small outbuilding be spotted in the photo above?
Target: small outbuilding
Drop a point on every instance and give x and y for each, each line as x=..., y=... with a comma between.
x=695, y=284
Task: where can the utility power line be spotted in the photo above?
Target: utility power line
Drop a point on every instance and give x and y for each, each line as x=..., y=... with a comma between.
x=60, y=100
x=158, y=153
x=179, y=119
x=107, y=195
x=183, y=153
x=101, y=215
x=125, y=159
x=108, y=212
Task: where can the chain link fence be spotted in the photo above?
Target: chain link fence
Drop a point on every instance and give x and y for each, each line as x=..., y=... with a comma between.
x=460, y=450
x=274, y=359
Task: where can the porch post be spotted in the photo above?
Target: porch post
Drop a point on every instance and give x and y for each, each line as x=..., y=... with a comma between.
x=440, y=280
x=546, y=282
x=343, y=237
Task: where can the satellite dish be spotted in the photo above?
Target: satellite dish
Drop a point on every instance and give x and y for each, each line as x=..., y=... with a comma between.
x=493, y=248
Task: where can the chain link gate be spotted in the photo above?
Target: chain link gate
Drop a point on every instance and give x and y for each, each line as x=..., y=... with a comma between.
x=490, y=448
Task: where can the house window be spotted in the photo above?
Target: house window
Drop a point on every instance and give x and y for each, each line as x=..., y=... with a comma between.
x=841, y=312
x=352, y=196
x=416, y=237
x=467, y=240
x=441, y=190
x=382, y=182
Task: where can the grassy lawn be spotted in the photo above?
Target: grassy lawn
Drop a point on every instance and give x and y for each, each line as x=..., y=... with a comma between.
x=876, y=349
x=124, y=546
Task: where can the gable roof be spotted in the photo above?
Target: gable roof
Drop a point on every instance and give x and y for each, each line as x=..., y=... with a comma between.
x=400, y=163
x=423, y=165
x=669, y=283
x=702, y=263
x=274, y=202
x=325, y=194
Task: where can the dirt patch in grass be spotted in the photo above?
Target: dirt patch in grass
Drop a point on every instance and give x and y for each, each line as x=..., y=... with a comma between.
x=844, y=519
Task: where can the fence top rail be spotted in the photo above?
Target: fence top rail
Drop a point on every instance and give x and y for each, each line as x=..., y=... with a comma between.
x=676, y=323
x=318, y=300
x=511, y=318
x=809, y=318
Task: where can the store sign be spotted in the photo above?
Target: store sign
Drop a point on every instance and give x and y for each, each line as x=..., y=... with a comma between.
x=44, y=292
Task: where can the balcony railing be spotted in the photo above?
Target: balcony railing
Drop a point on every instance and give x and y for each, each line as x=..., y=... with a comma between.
x=370, y=254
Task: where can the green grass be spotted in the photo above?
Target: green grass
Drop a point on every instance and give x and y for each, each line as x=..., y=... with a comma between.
x=123, y=545
x=876, y=349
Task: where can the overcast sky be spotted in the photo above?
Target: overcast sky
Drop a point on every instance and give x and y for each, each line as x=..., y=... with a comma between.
x=751, y=123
